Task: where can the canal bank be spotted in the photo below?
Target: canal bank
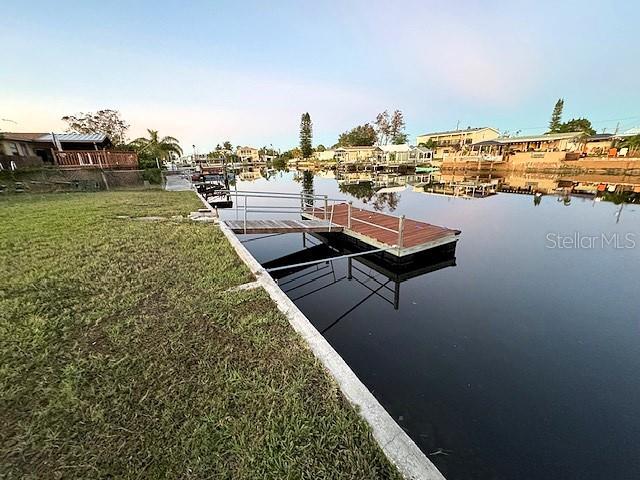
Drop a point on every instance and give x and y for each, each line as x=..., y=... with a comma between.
x=128, y=353
x=513, y=348
x=399, y=448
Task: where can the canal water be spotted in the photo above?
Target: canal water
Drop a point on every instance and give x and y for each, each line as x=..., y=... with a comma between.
x=517, y=356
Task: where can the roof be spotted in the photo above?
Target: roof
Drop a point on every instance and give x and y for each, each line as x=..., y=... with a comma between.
x=404, y=147
x=421, y=149
x=600, y=136
x=74, y=137
x=487, y=143
x=363, y=147
x=24, y=137
x=630, y=133
x=451, y=132
x=531, y=138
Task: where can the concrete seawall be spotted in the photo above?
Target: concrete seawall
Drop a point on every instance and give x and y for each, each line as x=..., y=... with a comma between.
x=399, y=448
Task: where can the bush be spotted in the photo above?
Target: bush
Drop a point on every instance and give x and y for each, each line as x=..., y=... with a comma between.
x=152, y=175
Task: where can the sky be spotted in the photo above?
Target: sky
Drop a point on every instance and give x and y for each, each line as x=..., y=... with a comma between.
x=245, y=71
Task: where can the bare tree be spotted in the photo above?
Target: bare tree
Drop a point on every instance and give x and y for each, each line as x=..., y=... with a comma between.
x=382, y=127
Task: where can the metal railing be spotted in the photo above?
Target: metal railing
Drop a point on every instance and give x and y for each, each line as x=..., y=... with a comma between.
x=307, y=205
x=399, y=231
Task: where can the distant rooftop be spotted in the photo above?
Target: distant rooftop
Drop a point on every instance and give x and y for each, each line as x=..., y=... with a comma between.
x=362, y=147
x=530, y=138
x=451, y=132
x=630, y=133
x=600, y=136
x=404, y=147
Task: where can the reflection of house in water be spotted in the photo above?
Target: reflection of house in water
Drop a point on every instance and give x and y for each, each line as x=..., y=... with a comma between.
x=585, y=184
x=250, y=175
x=380, y=273
x=465, y=186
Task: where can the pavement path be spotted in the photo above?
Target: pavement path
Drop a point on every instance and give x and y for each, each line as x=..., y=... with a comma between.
x=177, y=183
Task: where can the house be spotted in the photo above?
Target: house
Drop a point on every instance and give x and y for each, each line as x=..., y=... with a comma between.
x=455, y=140
x=360, y=154
x=549, y=142
x=248, y=154
x=420, y=155
x=399, y=154
x=599, y=144
x=550, y=147
x=20, y=150
x=326, y=155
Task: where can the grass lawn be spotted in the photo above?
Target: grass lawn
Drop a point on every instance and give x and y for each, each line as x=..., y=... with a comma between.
x=122, y=355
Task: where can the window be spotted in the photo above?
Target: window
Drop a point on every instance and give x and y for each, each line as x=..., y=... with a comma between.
x=13, y=149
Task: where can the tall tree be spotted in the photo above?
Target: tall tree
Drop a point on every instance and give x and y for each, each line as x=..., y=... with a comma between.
x=227, y=145
x=155, y=147
x=396, y=128
x=362, y=135
x=556, y=116
x=306, y=135
x=107, y=122
x=382, y=127
x=577, y=125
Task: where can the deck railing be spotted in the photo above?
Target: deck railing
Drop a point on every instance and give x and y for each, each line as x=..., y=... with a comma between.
x=97, y=159
x=307, y=206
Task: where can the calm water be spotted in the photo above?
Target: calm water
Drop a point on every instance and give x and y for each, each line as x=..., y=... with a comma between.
x=516, y=360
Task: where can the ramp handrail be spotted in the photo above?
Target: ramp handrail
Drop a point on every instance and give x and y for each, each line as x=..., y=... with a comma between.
x=306, y=200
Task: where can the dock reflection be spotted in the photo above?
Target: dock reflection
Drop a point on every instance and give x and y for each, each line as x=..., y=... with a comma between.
x=380, y=273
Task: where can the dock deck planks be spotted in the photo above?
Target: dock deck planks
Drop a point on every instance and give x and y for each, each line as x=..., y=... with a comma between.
x=380, y=229
x=417, y=236
x=282, y=226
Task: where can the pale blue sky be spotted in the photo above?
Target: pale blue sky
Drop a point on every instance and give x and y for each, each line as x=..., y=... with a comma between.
x=245, y=71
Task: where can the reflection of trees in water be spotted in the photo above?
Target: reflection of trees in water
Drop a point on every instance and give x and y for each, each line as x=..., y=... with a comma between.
x=307, y=186
x=364, y=192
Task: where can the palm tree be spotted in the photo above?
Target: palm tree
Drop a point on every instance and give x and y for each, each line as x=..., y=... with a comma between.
x=155, y=147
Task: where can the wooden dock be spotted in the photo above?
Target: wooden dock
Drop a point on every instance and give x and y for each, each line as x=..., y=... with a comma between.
x=282, y=226
x=398, y=236
x=382, y=230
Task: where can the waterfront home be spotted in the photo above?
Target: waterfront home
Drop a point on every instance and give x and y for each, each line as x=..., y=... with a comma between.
x=550, y=147
x=325, y=156
x=248, y=154
x=599, y=144
x=397, y=154
x=455, y=140
x=23, y=150
x=361, y=154
x=420, y=155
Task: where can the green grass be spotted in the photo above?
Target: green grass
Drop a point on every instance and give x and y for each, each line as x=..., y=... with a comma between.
x=122, y=355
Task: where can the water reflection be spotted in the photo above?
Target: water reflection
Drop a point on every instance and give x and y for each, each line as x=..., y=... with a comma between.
x=520, y=348
x=380, y=273
x=380, y=189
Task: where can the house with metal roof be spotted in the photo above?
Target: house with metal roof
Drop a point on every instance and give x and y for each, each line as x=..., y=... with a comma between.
x=23, y=150
x=452, y=141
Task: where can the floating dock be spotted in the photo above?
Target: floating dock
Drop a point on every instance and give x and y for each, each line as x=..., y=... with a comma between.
x=402, y=235
x=398, y=236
